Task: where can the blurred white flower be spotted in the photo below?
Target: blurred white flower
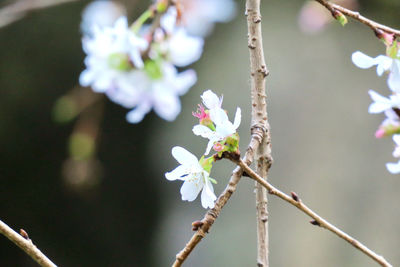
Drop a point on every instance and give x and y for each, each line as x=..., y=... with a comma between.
x=195, y=178
x=383, y=64
x=180, y=48
x=100, y=13
x=143, y=92
x=223, y=127
x=112, y=52
x=199, y=16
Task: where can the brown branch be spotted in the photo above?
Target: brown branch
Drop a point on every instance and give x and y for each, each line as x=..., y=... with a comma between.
x=317, y=220
x=333, y=8
x=26, y=245
x=20, y=8
x=203, y=227
x=259, y=72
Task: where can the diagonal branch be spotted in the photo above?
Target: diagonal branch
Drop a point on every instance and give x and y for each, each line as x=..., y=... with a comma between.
x=375, y=26
x=26, y=245
x=20, y=8
x=317, y=220
x=202, y=227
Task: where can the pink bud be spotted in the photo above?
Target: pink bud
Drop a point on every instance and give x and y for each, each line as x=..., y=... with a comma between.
x=387, y=38
x=218, y=147
x=380, y=133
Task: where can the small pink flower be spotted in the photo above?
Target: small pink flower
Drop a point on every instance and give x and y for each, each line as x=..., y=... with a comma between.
x=201, y=114
x=218, y=147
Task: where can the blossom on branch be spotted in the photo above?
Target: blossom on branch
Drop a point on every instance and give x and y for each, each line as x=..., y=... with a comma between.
x=383, y=64
x=195, y=175
x=220, y=131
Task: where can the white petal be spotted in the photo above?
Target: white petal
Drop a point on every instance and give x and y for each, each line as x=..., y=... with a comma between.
x=238, y=118
x=393, y=167
x=184, y=81
x=396, y=139
x=168, y=20
x=207, y=195
x=86, y=77
x=384, y=63
x=137, y=114
x=203, y=131
x=166, y=104
x=394, y=77
x=121, y=24
x=380, y=103
x=184, y=157
x=136, y=58
x=218, y=116
x=362, y=61
x=177, y=174
x=190, y=190
x=210, y=100
x=184, y=49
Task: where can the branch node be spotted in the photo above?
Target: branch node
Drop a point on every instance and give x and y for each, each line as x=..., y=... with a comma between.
x=24, y=234
x=196, y=225
x=295, y=196
x=314, y=222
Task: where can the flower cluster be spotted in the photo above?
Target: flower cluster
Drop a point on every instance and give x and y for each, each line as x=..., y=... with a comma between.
x=389, y=63
x=215, y=126
x=136, y=66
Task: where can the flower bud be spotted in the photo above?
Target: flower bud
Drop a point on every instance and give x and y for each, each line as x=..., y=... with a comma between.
x=386, y=38
x=339, y=17
x=387, y=130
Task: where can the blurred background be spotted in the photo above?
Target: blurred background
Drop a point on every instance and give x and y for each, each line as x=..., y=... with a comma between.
x=115, y=208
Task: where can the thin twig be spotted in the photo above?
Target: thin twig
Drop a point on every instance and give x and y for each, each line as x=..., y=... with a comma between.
x=203, y=227
x=317, y=220
x=20, y=8
x=26, y=245
x=357, y=16
x=259, y=72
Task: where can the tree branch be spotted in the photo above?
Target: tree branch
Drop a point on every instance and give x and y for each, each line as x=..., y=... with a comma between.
x=317, y=220
x=26, y=245
x=203, y=227
x=259, y=72
x=357, y=16
x=20, y=8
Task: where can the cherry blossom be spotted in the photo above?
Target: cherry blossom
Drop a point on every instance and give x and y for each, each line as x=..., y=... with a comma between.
x=195, y=178
x=223, y=127
x=383, y=64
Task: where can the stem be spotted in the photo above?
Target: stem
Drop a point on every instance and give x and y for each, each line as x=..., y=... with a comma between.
x=317, y=220
x=203, y=227
x=357, y=16
x=26, y=245
x=259, y=72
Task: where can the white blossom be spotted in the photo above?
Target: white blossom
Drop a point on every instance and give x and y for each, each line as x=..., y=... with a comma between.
x=383, y=64
x=199, y=16
x=181, y=48
x=382, y=103
x=195, y=178
x=102, y=14
x=223, y=127
x=112, y=52
x=142, y=92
